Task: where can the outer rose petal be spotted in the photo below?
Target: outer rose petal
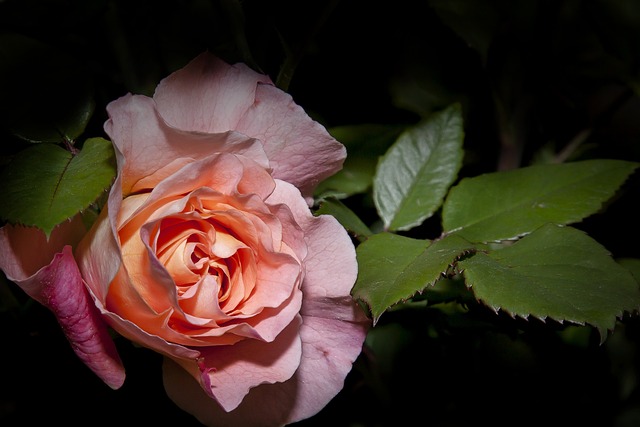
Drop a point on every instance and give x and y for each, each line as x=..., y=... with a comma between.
x=209, y=95
x=301, y=151
x=59, y=287
x=50, y=275
x=98, y=253
x=331, y=252
x=152, y=150
x=235, y=370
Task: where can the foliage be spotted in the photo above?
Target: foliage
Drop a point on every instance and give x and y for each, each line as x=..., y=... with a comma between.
x=490, y=188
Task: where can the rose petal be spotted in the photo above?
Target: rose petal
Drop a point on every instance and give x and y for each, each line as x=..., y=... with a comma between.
x=134, y=333
x=300, y=150
x=152, y=150
x=98, y=255
x=209, y=95
x=59, y=287
x=331, y=253
x=224, y=173
x=330, y=250
x=265, y=406
x=235, y=370
x=329, y=348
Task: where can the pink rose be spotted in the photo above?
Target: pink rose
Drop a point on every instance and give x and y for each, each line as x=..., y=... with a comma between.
x=207, y=251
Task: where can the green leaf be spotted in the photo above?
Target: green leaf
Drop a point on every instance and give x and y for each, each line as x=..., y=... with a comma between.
x=394, y=268
x=506, y=205
x=365, y=144
x=381, y=260
x=555, y=272
x=45, y=184
x=433, y=263
x=46, y=94
x=345, y=216
x=414, y=175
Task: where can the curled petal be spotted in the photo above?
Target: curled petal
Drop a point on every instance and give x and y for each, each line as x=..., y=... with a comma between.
x=59, y=287
x=51, y=276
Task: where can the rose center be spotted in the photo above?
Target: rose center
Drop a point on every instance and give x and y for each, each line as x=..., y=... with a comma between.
x=201, y=254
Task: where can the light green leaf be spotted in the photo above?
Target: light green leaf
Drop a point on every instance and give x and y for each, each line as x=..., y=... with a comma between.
x=505, y=205
x=345, y=216
x=414, y=175
x=555, y=272
x=45, y=184
x=381, y=260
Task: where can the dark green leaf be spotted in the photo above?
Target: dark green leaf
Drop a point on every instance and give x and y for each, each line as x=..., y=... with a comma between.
x=45, y=184
x=505, y=205
x=413, y=177
x=555, y=272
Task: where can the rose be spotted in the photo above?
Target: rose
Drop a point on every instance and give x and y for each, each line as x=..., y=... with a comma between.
x=207, y=251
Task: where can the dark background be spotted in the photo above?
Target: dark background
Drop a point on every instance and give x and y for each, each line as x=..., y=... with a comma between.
x=534, y=77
